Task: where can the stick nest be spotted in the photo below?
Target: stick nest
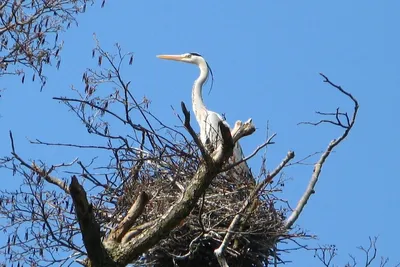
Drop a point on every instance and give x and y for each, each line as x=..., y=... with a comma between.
x=193, y=242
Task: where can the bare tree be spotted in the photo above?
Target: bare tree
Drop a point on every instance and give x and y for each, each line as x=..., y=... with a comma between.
x=326, y=255
x=153, y=195
x=29, y=34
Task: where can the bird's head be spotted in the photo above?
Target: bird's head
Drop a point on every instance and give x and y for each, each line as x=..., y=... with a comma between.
x=193, y=58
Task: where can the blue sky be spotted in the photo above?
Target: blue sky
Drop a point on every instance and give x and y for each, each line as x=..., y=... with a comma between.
x=266, y=56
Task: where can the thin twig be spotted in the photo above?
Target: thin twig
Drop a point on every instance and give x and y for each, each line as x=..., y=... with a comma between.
x=266, y=143
x=43, y=174
x=12, y=142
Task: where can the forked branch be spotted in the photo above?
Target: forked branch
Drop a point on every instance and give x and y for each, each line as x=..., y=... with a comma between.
x=39, y=171
x=318, y=166
x=134, y=212
x=326, y=254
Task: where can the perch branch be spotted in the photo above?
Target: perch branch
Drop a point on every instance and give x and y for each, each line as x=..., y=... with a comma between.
x=318, y=166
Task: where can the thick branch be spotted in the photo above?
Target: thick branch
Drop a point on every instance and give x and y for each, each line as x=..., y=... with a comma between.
x=89, y=227
x=134, y=212
x=200, y=182
x=136, y=231
x=241, y=130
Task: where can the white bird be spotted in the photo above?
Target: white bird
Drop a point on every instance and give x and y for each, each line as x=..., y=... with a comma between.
x=210, y=134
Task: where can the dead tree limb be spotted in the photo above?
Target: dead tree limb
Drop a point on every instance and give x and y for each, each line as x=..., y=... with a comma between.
x=348, y=125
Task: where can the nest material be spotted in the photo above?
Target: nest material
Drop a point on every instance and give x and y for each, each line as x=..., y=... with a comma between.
x=193, y=242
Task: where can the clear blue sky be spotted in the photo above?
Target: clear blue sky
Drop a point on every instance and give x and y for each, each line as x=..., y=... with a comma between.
x=266, y=56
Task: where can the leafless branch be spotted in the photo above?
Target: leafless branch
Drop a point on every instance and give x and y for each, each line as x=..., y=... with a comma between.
x=326, y=254
x=230, y=231
x=88, y=225
x=318, y=166
x=192, y=133
x=266, y=143
x=29, y=34
x=42, y=173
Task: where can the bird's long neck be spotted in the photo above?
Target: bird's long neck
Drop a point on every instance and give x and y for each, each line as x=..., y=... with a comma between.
x=199, y=107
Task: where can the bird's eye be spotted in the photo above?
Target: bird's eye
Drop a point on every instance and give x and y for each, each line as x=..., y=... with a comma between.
x=188, y=55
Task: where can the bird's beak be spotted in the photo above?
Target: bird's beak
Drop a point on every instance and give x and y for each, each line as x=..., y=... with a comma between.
x=171, y=57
